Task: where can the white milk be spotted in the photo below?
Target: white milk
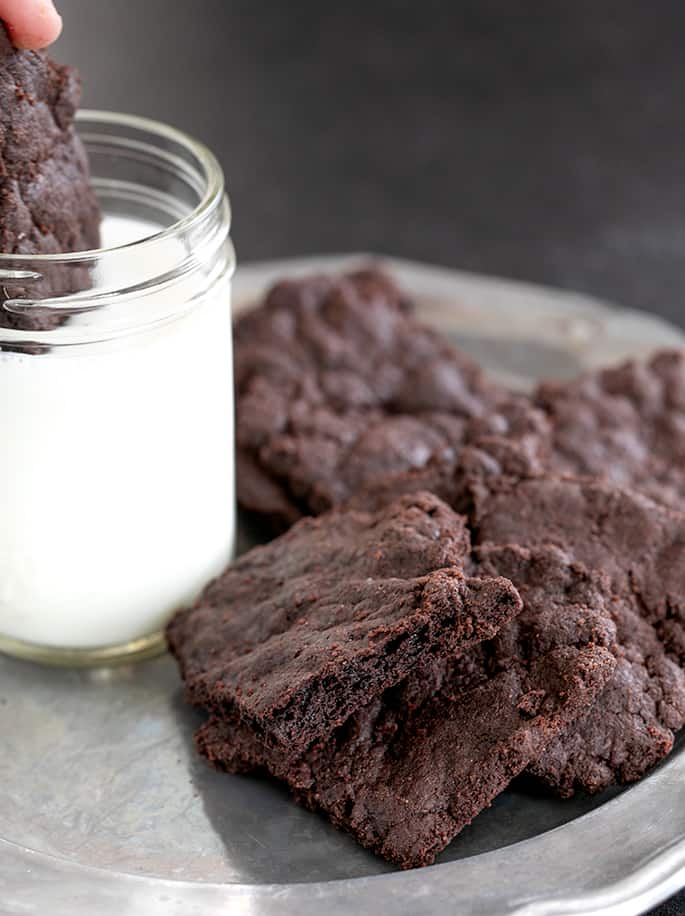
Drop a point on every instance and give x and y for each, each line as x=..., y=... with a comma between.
x=116, y=476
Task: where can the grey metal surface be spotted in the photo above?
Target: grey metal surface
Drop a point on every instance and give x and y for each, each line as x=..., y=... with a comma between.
x=106, y=811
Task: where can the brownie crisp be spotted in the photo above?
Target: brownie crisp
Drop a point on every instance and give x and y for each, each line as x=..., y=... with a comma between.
x=297, y=634
x=626, y=424
x=638, y=547
x=47, y=205
x=413, y=766
x=338, y=386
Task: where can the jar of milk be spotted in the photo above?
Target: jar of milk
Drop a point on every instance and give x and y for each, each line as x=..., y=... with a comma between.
x=116, y=407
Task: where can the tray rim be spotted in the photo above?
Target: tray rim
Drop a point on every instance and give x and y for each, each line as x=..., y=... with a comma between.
x=626, y=877
x=653, y=870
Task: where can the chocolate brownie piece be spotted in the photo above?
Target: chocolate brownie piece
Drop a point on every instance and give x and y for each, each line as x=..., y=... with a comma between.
x=417, y=763
x=639, y=546
x=456, y=476
x=338, y=386
x=297, y=633
x=626, y=424
x=637, y=543
x=47, y=205
x=618, y=533
x=631, y=726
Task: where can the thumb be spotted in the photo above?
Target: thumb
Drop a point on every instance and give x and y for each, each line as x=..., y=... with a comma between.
x=31, y=24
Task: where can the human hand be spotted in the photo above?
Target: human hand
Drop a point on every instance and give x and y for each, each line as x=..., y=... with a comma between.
x=31, y=23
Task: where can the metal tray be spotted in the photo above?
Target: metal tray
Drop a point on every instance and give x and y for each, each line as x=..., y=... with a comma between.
x=106, y=811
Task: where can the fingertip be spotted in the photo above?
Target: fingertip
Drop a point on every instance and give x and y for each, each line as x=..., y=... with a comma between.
x=57, y=25
x=34, y=26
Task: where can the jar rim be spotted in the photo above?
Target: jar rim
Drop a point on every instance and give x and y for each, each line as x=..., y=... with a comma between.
x=213, y=197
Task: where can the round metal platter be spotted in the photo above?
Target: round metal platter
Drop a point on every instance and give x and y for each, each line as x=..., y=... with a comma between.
x=106, y=811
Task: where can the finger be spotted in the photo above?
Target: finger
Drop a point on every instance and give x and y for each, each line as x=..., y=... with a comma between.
x=31, y=23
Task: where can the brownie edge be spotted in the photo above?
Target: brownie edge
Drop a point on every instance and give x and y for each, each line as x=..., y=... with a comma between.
x=47, y=203
x=414, y=765
x=298, y=633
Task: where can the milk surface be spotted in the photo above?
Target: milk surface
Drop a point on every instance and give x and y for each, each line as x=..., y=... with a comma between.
x=116, y=476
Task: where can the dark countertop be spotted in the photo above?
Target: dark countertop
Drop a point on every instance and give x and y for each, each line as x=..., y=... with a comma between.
x=544, y=142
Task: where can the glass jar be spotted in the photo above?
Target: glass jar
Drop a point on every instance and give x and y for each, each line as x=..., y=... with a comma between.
x=116, y=460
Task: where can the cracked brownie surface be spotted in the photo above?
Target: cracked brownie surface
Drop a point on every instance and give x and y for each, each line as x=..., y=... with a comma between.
x=296, y=634
x=631, y=726
x=635, y=546
x=338, y=386
x=407, y=771
x=638, y=547
x=47, y=205
x=626, y=424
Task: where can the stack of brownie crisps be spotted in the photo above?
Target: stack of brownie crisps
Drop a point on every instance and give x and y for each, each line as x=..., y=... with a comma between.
x=471, y=585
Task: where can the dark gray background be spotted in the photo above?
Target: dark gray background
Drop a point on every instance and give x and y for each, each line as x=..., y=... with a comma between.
x=544, y=141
